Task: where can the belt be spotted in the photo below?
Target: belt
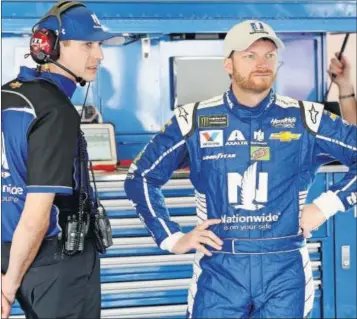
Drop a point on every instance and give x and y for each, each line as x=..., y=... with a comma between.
x=238, y=246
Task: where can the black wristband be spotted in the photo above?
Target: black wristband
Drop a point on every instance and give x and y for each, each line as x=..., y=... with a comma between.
x=341, y=97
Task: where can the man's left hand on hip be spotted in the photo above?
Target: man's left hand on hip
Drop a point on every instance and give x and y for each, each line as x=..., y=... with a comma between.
x=311, y=219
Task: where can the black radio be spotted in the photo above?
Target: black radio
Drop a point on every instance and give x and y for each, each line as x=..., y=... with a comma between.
x=102, y=229
x=89, y=216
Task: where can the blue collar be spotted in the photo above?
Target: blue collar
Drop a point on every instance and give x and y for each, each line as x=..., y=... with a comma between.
x=65, y=84
x=234, y=105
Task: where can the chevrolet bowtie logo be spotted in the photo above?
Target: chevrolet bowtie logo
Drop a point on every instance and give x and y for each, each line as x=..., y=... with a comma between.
x=284, y=136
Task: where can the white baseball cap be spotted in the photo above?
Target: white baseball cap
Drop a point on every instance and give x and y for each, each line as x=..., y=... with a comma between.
x=242, y=35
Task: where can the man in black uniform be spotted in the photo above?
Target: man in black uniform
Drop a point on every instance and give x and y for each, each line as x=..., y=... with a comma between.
x=49, y=256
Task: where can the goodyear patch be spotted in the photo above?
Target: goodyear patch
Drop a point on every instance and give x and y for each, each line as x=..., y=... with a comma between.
x=206, y=121
x=258, y=153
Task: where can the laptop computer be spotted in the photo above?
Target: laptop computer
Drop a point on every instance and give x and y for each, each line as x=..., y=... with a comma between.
x=101, y=145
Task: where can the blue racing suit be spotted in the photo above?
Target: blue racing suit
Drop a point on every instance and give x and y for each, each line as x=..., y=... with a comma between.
x=251, y=168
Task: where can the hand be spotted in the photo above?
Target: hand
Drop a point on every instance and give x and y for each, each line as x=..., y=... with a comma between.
x=5, y=307
x=311, y=219
x=8, y=289
x=342, y=69
x=198, y=236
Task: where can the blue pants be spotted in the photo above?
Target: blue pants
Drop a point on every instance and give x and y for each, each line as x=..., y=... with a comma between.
x=273, y=285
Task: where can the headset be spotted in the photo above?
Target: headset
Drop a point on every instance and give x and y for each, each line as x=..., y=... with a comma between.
x=44, y=43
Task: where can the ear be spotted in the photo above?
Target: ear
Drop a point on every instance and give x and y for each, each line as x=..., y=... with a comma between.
x=228, y=65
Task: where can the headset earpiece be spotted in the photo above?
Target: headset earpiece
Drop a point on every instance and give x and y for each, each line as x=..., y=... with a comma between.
x=44, y=45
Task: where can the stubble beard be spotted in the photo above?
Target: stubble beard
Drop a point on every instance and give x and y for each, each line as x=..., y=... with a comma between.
x=253, y=84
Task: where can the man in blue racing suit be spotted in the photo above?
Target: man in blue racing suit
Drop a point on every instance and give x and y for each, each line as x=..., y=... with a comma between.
x=252, y=157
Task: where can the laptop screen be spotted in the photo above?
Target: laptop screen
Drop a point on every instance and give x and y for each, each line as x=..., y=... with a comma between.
x=100, y=143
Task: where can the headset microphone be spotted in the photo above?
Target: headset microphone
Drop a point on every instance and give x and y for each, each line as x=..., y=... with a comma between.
x=77, y=78
x=46, y=58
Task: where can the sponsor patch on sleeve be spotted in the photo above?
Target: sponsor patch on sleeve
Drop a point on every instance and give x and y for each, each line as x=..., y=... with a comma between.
x=205, y=121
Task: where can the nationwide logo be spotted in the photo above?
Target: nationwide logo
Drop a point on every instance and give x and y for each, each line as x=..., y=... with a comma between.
x=218, y=156
x=259, y=136
x=96, y=21
x=248, y=191
x=257, y=27
x=287, y=122
x=236, y=138
x=12, y=190
x=269, y=218
x=284, y=136
x=213, y=138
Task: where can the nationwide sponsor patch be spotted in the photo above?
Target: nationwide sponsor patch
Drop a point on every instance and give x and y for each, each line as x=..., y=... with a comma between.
x=258, y=138
x=206, y=121
x=284, y=136
x=212, y=138
x=218, y=156
x=258, y=153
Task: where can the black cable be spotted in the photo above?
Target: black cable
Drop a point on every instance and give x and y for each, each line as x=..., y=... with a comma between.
x=83, y=193
x=85, y=99
x=83, y=172
x=333, y=76
x=94, y=184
